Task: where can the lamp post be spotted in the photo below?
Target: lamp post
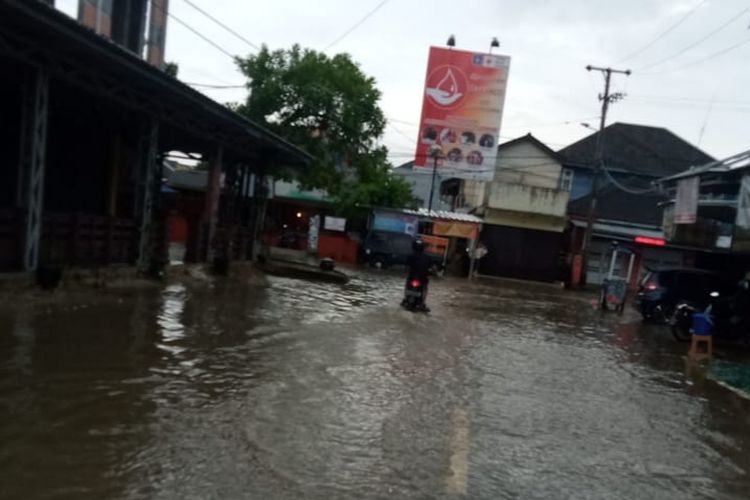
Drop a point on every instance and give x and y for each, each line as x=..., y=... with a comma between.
x=436, y=153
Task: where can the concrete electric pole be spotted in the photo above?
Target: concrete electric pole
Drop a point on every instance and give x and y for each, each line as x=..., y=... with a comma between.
x=606, y=98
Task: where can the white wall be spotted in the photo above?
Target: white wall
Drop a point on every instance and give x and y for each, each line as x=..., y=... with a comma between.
x=524, y=163
x=528, y=199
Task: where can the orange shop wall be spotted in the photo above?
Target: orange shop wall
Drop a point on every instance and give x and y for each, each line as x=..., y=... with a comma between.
x=339, y=248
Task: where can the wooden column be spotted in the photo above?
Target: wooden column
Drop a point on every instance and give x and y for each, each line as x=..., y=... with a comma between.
x=150, y=176
x=211, y=208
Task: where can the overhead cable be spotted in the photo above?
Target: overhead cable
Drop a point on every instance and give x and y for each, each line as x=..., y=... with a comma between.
x=663, y=33
x=230, y=30
x=697, y=42
x=356, y=25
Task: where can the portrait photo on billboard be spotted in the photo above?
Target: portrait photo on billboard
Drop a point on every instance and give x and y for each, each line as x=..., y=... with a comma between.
x=429, y=135
x=448, y=136
x=487, y=141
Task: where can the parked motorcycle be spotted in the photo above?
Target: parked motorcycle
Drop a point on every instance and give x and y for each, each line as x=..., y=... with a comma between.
x=414, y=296
x=730, y=316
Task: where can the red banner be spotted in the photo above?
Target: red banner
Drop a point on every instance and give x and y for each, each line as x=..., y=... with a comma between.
x=461, y=112
x=435, y=245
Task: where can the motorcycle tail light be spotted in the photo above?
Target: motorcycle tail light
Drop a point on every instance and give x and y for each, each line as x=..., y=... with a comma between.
x=415, y=283
x=651, y=286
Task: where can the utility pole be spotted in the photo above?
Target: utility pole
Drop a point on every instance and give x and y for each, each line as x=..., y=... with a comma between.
x=435, y=153
x=606, y=98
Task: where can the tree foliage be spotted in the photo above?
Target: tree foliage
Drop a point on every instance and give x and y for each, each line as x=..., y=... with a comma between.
x=328, y=106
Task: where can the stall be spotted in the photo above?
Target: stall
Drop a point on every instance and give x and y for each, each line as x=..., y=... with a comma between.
x=450, y=236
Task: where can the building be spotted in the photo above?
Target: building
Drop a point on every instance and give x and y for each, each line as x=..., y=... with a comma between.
x=708, y=209
x=629, y=208
x=420, y=181
x=631, y=220
x=524, y=211
x=86, y=125
x=635, y=155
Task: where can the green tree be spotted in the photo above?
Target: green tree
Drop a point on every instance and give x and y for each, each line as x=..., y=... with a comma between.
x=328, y=106
x=171, y=68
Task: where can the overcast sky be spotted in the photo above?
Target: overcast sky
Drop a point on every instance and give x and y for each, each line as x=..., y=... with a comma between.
x=697, y=94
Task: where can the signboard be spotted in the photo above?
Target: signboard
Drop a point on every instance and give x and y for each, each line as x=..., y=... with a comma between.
x=395, y=223
x=456, y=229
x=292, y=190
x=686, y=204
x=312, y=233
x=435, y=245
x=647, y=240
x=743, y=204
x=334, y=223
x=461, y=112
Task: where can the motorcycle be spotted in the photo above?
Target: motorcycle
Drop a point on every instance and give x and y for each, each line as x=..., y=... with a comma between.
x=414, y=296
x=730, y=322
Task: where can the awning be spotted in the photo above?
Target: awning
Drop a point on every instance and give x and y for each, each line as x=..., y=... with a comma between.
x=621, y=231
x=525, y=220
x=37, y=34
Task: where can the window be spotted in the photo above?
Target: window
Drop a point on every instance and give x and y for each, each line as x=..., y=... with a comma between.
x=566, y=179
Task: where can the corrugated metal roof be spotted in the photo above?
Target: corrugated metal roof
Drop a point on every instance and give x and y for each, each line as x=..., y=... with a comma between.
x=193, y=180
x=445, y=215
x=620, y=230
x=736, y=162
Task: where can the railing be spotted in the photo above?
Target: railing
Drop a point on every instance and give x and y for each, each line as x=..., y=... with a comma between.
x=87, y=240
x=11, y=229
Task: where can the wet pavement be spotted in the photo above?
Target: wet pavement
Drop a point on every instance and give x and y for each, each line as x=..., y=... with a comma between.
x=306, y=390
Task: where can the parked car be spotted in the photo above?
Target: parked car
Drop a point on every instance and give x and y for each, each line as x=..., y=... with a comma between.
x=386, y=249
x=660, y=291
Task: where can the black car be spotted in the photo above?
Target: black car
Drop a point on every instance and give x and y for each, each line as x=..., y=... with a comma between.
x=660, y=291
x=386, y=249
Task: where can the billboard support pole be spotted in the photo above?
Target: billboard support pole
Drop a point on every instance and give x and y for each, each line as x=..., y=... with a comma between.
x=434, y=174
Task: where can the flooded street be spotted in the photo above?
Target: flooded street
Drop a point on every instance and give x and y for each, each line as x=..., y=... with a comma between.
x=307, y=390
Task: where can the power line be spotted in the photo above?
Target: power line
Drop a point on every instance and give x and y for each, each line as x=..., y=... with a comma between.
x=623, y=187
x=195, y=32
x=699, y=61
x=214, y=86
x=356, y=25
x=686, y=99
x=550, y=124
x=230, y=30
x=699, y=41
x=395, y=128
x=663, y=33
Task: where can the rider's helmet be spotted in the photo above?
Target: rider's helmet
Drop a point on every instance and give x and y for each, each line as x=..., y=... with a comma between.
x=418, y=246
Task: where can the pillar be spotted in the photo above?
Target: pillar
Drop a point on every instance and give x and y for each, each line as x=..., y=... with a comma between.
x=211, y=208
x=157, y=32
x=33, y=164
x=260, y=202
x=150, y=179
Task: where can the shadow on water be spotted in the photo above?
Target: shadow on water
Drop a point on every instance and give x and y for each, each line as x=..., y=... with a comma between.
x=300, y=389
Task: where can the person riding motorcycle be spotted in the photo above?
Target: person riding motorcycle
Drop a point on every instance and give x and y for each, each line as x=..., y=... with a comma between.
x=419, y=265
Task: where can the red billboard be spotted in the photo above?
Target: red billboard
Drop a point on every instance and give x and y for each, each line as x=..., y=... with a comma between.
x=461, y=112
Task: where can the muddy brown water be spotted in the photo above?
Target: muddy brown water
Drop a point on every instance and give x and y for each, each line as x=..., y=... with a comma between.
x=309, y=390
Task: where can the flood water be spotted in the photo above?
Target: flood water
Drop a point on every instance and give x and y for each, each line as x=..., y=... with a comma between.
x=305, y=390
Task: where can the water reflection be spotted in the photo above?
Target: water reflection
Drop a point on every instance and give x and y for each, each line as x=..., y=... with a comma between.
x=312, y=390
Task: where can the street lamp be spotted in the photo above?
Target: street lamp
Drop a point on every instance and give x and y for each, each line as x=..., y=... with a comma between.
x=494, y=44
x=436, y=153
